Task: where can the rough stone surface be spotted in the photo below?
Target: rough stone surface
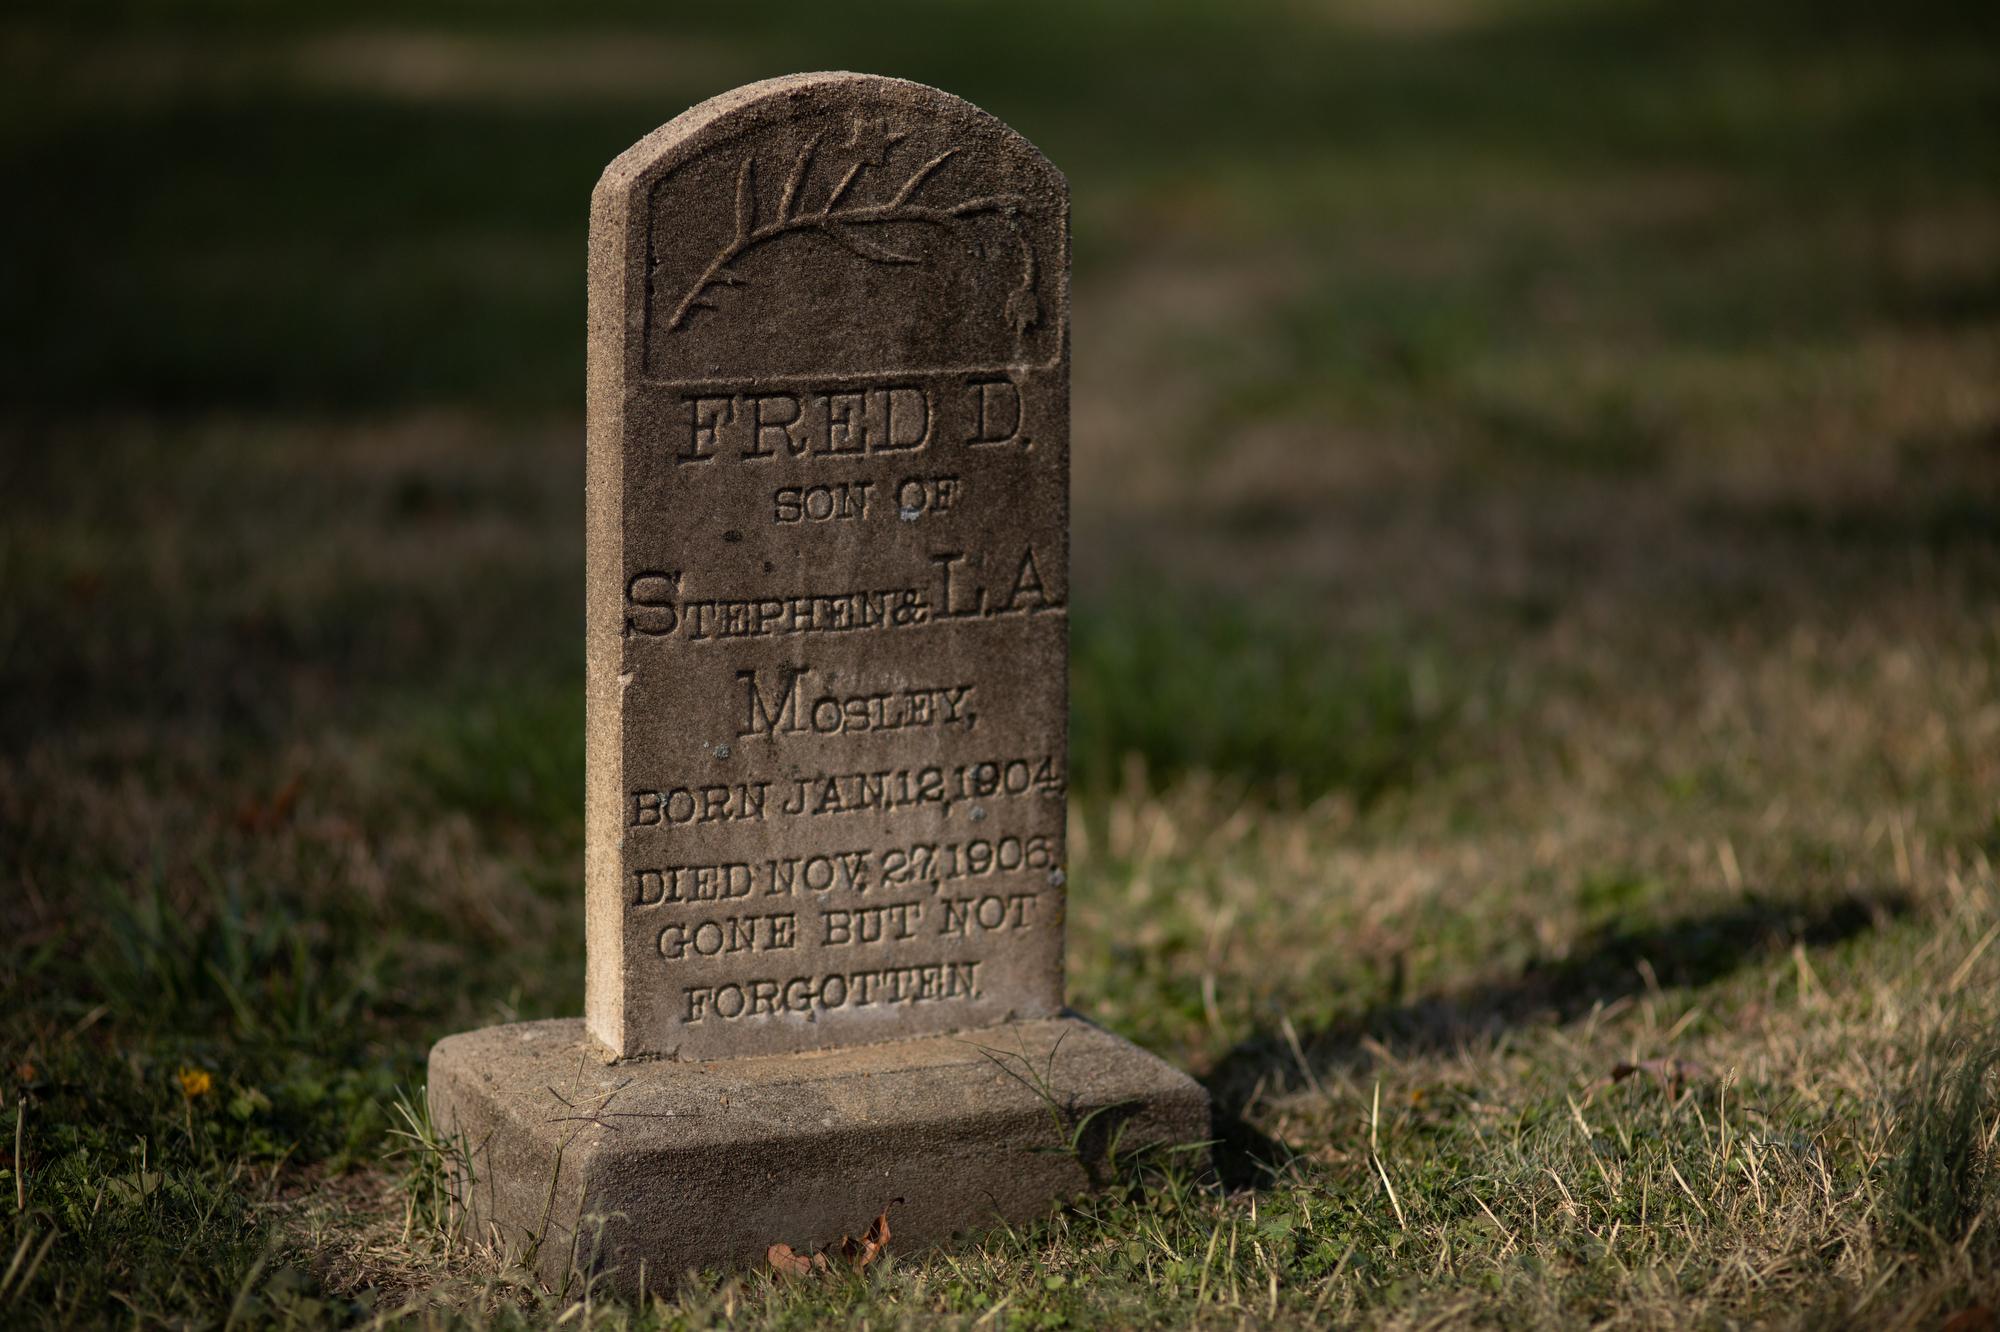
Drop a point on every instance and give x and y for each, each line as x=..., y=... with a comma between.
x=827, y=666
x=588, y=1167
x=827, y=574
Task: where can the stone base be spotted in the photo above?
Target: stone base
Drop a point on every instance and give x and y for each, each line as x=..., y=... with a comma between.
x=639, y=1171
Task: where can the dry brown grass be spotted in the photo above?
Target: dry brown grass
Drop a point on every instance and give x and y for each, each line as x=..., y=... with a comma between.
x=1576, y=515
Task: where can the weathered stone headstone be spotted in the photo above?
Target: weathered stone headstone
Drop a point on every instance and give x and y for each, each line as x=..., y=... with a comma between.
x=829, y=547
x=827, y=709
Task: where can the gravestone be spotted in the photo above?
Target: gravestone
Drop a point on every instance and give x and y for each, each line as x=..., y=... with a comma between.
x=826, y=644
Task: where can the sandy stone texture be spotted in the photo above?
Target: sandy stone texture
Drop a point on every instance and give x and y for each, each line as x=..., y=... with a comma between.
x=828, y=566
x=639, y=1171
x=827, y=641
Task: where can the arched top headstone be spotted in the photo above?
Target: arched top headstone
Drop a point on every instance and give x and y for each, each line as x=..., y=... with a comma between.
x=827, y=574
x=826, y=759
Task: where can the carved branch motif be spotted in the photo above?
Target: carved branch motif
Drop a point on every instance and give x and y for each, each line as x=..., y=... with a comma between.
x=845, y=224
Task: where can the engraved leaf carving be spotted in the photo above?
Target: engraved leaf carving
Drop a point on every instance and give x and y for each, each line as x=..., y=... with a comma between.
x=920, y=175
x=866, y=248
x=840, y=190
x=844, y=222
x=800, y=169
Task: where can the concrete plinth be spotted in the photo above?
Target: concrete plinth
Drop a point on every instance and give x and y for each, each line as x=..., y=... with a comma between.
x=583, y=1165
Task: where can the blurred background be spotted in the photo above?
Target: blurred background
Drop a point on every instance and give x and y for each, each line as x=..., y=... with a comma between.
x=1536, y=490
x=1436, y=325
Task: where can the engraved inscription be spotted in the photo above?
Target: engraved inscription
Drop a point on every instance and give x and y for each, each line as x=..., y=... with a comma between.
x=729, y=934
x=735, y=424
x=928, y=864
x=834, y=423
x=795, y=708
x=656, y=608
x=829, y=579
x=849, y=792
x=996, y=412
x=844, y=500
x=855, y=501
x=806, y=995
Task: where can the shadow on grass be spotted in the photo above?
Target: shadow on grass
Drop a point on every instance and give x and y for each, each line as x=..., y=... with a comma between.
x=1614, y=962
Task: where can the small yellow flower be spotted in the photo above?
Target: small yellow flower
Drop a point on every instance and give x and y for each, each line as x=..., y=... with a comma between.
x=196, y=1082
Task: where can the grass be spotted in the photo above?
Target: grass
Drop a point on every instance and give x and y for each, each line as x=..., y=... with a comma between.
x=1536, y=685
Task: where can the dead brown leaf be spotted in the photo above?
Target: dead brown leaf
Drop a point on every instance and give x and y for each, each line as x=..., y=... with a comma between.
x=859, y=1253
x=787, y=1263
x=1978, y=1318
x=856, y=1253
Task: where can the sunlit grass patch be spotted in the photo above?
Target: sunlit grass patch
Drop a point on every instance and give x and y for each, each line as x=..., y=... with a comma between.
x=1536, y=749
